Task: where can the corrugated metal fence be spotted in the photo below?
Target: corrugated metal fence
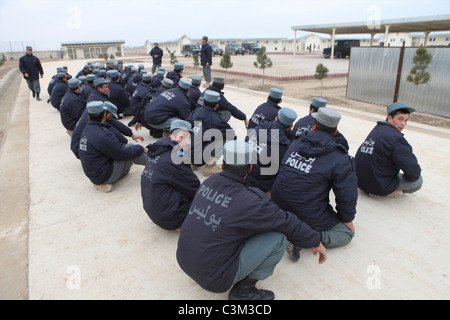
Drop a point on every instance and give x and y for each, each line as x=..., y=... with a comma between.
x=374, y=77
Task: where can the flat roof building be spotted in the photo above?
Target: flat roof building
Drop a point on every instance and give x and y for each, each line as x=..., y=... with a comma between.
x=93, y=49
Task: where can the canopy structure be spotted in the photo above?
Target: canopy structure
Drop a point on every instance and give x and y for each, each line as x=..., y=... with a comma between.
x=421, y=24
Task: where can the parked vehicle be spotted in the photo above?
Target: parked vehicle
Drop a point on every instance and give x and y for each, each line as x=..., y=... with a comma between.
x=234, y=49
x=341, y=48
x=190, y=50
x=250, y=47
x=216, y=50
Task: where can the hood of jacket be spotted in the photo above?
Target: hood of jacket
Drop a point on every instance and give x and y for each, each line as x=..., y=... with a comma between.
x=317, y=143
x=161, y=146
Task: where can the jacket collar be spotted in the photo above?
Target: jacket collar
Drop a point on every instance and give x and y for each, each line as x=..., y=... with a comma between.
x=232, y=177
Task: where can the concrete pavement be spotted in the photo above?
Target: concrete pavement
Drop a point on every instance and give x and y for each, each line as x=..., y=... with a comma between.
x=83, y=244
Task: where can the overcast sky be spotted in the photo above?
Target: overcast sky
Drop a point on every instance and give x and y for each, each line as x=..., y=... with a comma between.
x=50, y=22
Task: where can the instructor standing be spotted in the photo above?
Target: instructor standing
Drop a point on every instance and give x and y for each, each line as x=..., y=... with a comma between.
x=31, y=68
x=157, y=54
x=206, y=60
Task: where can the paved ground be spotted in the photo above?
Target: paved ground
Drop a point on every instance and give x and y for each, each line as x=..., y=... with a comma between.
x=61, y=239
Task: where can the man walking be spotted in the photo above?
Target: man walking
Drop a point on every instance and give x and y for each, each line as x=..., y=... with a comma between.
x=206, y=60
x=31, y=68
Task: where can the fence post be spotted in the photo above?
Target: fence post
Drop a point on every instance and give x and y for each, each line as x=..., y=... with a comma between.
x=399, y=73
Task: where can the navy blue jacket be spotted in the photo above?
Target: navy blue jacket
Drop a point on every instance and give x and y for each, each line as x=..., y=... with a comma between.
x=132, y=83
x=124, y=77
x=82, y=73
x=99, y=147
x=223, y=104
x=313, y=165
x=203, y=119
x=266, y=111
x=58, y=92
x=118, y=96
x=159, y=52
x=206, y=55
x=71, y=110
x=51, y=84
x=156, y=82
x=193, y=96
x=380, y=159
x=167, y=188
x=224, y=214
x=175, y=77
x=172, y=103
x=31, y=65
x=138, y=98
x=306, y=124
x=117, y=127
x=275, y=137
x=97, y=96
x=86, y=90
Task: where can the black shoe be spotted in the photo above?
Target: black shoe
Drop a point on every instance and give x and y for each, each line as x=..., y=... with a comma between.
x=38, y=99
x=246, y=290
x=294, y=252
x=157, y=134
x=34, y=94
x=48, y=101
x=132, y=122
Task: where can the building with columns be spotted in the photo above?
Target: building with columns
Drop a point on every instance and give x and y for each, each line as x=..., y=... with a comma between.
x=400, y=27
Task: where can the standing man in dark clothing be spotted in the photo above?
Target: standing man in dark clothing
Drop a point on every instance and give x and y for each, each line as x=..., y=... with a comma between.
x=167, y=186
x=206, y=60
x=384, y=153
x=72, y=106
x=157, y=54
x=234, y=236
x=31, y=68
x=268, y=110
x=59, y=90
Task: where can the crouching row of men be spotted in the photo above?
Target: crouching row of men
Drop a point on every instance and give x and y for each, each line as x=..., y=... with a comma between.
x=259, y=229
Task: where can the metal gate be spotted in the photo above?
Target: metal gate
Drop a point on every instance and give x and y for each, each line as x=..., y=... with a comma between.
x=378, y=75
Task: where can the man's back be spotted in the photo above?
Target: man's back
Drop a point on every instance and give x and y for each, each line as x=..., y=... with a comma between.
x=224, y=214
x=99, y=147
x=172, y=103
x=72, y=108
x=380, y=159
x=58, y=92
x=266, y=111
x=167, y=188
x=313, y=165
